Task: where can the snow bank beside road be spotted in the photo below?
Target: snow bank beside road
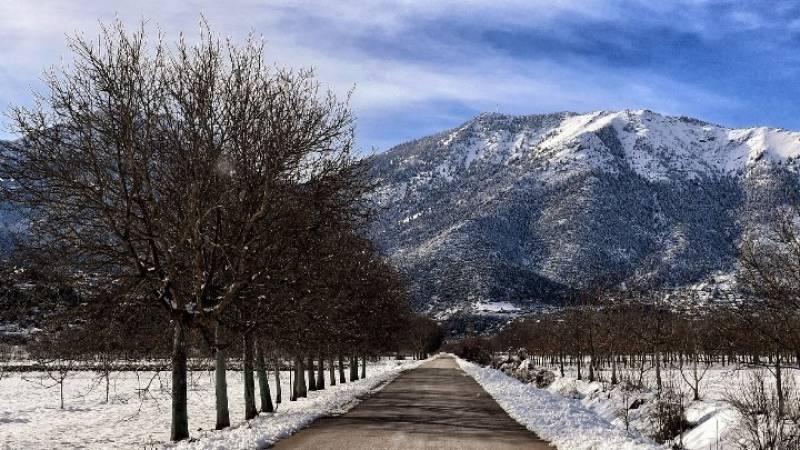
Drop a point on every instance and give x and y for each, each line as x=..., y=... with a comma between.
x=291, y=417
x=564, y=422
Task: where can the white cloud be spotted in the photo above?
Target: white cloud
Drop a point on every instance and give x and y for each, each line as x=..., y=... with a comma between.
x=331, y=37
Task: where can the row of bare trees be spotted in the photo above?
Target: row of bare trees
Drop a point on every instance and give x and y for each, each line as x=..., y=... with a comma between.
x=644, y=337
x=198, y=198
x=642, y=342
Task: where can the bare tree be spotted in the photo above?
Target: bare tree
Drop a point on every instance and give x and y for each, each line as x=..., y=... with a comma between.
x=769, y=279
x=159, y=170
x=762, y=425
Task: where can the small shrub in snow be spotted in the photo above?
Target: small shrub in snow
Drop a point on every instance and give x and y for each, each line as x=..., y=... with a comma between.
x=570, y=390
x=627, y=391
x=544, y=378
x=524, y=370
x=668, y=416
x=637, y=403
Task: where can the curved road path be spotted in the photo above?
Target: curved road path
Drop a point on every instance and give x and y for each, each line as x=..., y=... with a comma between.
x=435, y=406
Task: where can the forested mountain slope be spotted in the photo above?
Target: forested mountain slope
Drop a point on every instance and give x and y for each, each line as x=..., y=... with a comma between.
x=509, y=213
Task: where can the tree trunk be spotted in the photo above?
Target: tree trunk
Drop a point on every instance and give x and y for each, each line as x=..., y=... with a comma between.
x=613, y=368
x=221, y=388
x=363, y=367
x=353, y=368
x=657, y=362
x=779, y=385
x=696, y=376
x=180, y=415
x=108, y=383
x=320, y=373
x=263, y=382
x=302, y=390
x=342, y=379
x=277, y=381
x=293, y=384
x=312, y=383
x=641, y=369
x=249, y=384
x=332, y=371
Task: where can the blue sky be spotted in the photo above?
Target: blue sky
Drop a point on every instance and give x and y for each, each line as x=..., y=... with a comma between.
x=423, y=66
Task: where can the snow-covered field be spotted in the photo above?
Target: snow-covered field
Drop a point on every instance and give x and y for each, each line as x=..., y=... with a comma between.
x=577, y=414
x=572, y=414
x=713, y=421
x=137, y=415
x=562, y=421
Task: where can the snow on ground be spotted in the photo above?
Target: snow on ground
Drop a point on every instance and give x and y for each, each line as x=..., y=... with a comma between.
x=562, y=421
x=138, y=414
x=712, y=419
x=713, y=423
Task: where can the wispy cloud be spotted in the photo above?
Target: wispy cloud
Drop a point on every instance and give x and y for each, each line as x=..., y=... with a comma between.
x=420, y=66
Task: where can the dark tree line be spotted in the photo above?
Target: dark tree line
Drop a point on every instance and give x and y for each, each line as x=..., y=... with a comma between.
x=200, y=201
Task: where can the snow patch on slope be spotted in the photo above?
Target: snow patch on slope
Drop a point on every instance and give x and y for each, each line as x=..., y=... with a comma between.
x=495, y=307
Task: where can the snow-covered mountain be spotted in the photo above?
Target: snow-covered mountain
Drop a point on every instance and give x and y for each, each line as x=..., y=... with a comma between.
x=507, y=213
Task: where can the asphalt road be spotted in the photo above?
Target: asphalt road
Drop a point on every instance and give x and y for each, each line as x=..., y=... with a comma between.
x=436, y=406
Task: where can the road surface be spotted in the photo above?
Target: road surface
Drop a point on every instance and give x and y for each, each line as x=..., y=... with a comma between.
x=436, y=406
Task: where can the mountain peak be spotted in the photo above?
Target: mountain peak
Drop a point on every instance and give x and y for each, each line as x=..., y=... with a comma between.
x=653, y=145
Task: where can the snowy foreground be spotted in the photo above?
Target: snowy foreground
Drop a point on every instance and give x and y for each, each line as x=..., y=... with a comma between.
x=562, y=421
x=714, y=422
x=137, y=415
x=577, y=414
x=572, y=414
